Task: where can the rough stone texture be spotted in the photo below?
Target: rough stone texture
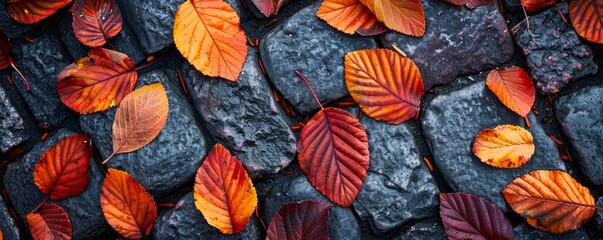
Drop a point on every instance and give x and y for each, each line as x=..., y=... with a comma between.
x=84, y=210
x=554, y=52
x=12, y=127
x=581, y=118
x=305, y=43
x=598, y=218
x=169, y=160
x=152, y=21
x=431, y=229
x=8, y=26
x=453, y=33
x=125, y=42
x=8, y=226
x=185, y=221
x=342, y=223
x=525, y=231
x=396, y=174
x=41, y=62
x=244, y=117
x=450, y=123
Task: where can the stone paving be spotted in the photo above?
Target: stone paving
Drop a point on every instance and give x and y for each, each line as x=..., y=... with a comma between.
x=398, y=200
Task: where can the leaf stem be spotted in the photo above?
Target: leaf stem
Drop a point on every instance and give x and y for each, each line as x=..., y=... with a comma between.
x=310, y=87
x=527, y=18
x=527, y=121
x=20, y=74
x=598, y=208
x=149, y=64
x=109, y=158
x=43, y=201
x=399, y=51
x=111, y=45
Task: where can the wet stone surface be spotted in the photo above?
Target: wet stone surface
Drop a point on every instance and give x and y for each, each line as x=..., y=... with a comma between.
x=185, y=221
x=581, y=119
x=525, y=231
x=12, y=127
x=244, y=117
x=160, y=169
x=8, y=226
x=342, y=223
x=441, y=54
x=598, y=218
x=450, y=123
x=307, y=44
x=555, y=54
x=432, y=229
x=84, y=209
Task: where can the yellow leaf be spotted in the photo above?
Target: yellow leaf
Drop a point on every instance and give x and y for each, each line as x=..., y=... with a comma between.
x=505, y=146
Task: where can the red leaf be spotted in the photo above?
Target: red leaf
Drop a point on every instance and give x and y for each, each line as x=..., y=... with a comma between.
x=6, y=59
x=95, y=21
x=587, y=19
x=535, y=5
x=307, y=219
x=49, y=222
x=470, y=3
x=33, y=11
x=513, y=87
x=466, y=216
x=62, y=171
x=268, y=7
x=333, y=152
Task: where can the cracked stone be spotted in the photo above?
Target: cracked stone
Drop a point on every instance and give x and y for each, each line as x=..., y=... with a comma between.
x=12, y=127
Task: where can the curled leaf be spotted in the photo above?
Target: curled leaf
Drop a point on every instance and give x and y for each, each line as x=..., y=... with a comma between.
x=347, y=16
x=551, y=201
x=513, y=87
x=307, y=219
x=62, y=171
x=268, y=7
x=587, y=18
x=223, y=191
x=127, y=206
x=95, y=21
x=50, y=221
x=97, y=82
x=505, y=146
x=33, y=11
x=404, y=16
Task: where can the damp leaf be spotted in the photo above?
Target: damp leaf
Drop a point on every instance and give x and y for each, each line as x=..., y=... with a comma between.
x=95, y=21
x=587, y=18
x=50, y=221
x=513, y=87
x=404, y=16
x=307, y=219
x=348, y=16
x=33, y=11
x=506, y=146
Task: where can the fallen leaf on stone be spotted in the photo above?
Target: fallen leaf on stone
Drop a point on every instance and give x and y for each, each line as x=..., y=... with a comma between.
x=514, y=88
x=140, y=118
x=1, y=236
x=224, y=192
x=6, y=59
x=97, y=82
x=386, y=85
x=372, y=27
x=62, y=171
x=470, y=3
x=95, y=21
x=304, y=220
x=466, y=216
x=551, y=201
x=505, y=146
x=127, y=206
x=208, y=35
x=33, y=11
x=347, y=16
x=587, y=18
x=50, y=221
x=404, y=16
x=535, y=5
x=268, y=7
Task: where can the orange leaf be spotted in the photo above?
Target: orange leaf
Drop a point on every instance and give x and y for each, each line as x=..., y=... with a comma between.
x=1, y=236
x=62, y=171
x=505, y=146
x=551, y=201
x=386, y=85
x=33, y=11
x=514, y=88
x=208, y=35
x=127, y=206
x=470, y=3
x=268, y=7
x=372, y=27
x=404, y=16
x=97, y=82
x=535, y=5
x=224, y=192
x=347, y=16
x=333, y=152
x=140, y=118
x=49, y=222
x=95, y=21
x=587, y=19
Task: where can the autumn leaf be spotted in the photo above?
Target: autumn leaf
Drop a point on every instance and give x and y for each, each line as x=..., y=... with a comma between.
x=6, y=59
x=1, y=236
x=470, y=3
x=505, y=146
x=223, y=191
x=385, y=85
x=304, y=220
x=466, y=216
x=372, y=27
x=513, y=87
x=97, y=82
x=404, y=16
x=50, y=221
x=140, y=118
x=268, y=7
x=347, y=16
x=62, y=171
x=208, y=35
x=551, y=201
x=95, y=21
x=587, y=19
x=127, y=206
x=33, y=11
x=535, y=5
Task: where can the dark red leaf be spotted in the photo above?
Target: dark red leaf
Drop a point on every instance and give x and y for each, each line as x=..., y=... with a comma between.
x=95, y=21
x=5, y=47
x=33, y=11
x=50, y=221
x=305, y=220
